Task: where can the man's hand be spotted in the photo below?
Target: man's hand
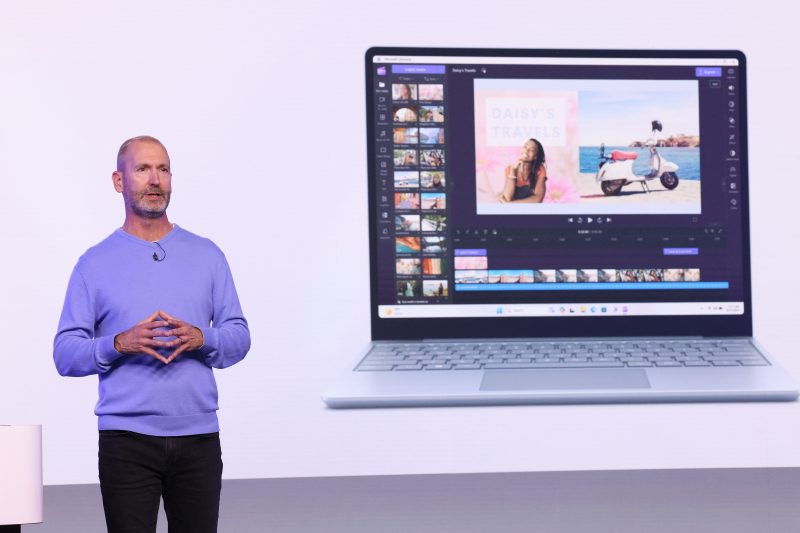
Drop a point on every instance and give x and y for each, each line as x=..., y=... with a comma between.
x=141, y=338
x=187, y=336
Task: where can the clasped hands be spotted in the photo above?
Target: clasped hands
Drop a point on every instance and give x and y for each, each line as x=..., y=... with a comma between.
x=142, y=338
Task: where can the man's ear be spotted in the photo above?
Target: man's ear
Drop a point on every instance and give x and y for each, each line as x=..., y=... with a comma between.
x=116, y=178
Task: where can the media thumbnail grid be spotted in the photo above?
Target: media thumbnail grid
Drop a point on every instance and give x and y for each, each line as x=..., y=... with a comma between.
x=420, y=200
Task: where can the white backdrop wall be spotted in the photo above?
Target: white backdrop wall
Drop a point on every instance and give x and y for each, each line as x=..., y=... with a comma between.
x=261, y=107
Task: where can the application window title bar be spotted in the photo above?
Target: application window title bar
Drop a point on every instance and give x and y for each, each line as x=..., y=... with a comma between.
x=458, y=60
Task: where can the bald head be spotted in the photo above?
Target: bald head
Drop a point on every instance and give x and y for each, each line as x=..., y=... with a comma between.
x=127, y=144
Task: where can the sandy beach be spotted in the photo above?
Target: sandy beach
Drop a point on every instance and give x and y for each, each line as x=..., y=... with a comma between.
x=687, y=191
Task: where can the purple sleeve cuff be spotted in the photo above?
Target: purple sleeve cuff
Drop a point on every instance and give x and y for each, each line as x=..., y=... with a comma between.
x=210, y=341
x=104, y=353
x=226, y=345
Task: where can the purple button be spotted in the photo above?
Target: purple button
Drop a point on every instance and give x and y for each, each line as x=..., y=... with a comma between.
x=681, y=251
x=417, y=69
x=470, y=252
x=708, y=72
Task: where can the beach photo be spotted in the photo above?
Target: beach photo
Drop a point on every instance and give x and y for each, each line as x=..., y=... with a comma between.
x=434, y=288
x=510, y=276
x=433, y=200
x=565, y=146
x=405, y=179
x=472, y=276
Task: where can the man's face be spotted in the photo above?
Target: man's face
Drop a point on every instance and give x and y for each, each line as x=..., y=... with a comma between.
x=145, y=180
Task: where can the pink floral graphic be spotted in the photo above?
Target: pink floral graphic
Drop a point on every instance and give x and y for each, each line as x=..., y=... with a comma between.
x=490, y=167
x=493, y=158
x=488, y=162
x=560, y=191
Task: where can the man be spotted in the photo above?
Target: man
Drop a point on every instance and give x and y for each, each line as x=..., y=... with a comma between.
x=151, y=309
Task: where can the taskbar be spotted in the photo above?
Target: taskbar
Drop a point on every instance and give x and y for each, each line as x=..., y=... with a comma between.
x=560, y=310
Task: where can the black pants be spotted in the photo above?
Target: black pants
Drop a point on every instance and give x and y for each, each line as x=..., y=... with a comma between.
x=137, y=470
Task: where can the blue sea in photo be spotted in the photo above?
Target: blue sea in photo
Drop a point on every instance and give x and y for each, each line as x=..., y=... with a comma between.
x=687, y=159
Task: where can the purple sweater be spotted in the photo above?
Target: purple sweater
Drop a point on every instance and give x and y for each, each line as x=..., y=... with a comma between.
x=117, y=284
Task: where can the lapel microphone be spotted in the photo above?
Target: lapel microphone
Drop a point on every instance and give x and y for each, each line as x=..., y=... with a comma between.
x=163, y=251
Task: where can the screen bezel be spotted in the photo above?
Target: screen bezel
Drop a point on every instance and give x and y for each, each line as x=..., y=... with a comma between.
x=572, y=326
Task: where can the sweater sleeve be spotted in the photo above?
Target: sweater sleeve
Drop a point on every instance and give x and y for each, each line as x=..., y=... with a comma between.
x=227, y=341
x=76, y=350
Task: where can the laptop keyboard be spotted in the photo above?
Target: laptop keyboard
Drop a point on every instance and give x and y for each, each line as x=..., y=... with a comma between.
x=572, y=354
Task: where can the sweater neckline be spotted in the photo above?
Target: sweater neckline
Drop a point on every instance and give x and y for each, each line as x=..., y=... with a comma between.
x=150, y=244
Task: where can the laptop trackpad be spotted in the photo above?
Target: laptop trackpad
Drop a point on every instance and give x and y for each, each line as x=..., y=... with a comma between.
x=498, y=380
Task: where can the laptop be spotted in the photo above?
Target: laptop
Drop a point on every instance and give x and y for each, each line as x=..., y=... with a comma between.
x=558, y=226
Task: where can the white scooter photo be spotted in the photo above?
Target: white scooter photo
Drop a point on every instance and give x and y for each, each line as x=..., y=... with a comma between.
x=616, y=170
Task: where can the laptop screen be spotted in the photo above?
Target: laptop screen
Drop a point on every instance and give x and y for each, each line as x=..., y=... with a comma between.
x=557, y=188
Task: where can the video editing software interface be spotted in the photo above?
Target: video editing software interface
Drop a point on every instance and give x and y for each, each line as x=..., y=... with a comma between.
x=557, y=186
